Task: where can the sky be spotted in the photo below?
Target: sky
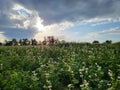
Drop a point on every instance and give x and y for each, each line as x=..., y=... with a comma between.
x=69, y=20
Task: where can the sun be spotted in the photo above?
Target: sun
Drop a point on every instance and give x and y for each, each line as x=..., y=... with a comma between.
x=39, y=26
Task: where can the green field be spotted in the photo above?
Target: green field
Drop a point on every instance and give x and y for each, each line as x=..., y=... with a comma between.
x=72, y=67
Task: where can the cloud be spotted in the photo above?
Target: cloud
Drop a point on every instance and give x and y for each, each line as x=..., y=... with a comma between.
x=1, y=32
x=52, y=17
x=115, y=30
x=16, y=16
x=52, y=11
x=105, y=21
x=20, y=18
x=97, y=21
x=2, y=37
x=56, y=30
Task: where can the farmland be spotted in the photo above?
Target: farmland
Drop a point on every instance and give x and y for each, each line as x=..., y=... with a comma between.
x=71, y=67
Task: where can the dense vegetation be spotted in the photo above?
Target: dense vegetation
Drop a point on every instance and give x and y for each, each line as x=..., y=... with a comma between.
x=60, y=67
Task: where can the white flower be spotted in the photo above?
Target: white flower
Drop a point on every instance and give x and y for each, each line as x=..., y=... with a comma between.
x=50, y=86
x=110, y=73
x=81, y=85
x=80, y=70
x=95, y=74
x=70, y=86
x=81, y=75
x=118, y=77
x=89, y=76
x=109, y=84
x=99, y=67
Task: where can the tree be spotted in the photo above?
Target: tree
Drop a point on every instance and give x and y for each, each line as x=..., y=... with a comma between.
x=26, y=41
x=8, y=43
x=21, y=42
x=95, y=42
x=108, y=42
x=0, y=44
x=14, y=42
x=34, y=42
x=44, y=41
x=51, y=40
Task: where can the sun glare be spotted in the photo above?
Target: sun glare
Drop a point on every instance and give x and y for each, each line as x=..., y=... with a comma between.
x=39, y=25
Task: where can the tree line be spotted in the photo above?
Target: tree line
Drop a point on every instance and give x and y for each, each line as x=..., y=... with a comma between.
x=50, y=40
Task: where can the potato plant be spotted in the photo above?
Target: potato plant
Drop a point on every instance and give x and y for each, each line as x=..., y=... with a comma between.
x=72, y=67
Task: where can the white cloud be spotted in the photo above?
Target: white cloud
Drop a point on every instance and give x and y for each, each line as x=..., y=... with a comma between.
x=60, y=26
x=115, y=30
x=25, y=18
x=106, y=21
x=100, y=21
x=2, y=37
x=93, y=35
x=19, y=12
x=1, y=32
x=30, y=20
x=56, y=30
x=19, y=7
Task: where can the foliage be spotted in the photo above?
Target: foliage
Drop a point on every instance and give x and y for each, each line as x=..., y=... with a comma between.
x=63, y=67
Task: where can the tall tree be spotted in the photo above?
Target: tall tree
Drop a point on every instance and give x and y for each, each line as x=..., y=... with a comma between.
x=21, y=42
x=26, y=41
x=14, y=42
x=34, y=42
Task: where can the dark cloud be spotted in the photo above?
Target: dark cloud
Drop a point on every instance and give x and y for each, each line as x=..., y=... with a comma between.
x=5, y=6
x=53, y=11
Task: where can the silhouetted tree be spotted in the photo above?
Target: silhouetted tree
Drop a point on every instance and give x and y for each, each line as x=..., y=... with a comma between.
x=44, y=41
x=8, y=43
x=26, y=41
x=34, y=42
x=51, y=40
x=108, y=42
x=21, y=42
x=0, y=44
x=95, y=42
x=14, y=42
